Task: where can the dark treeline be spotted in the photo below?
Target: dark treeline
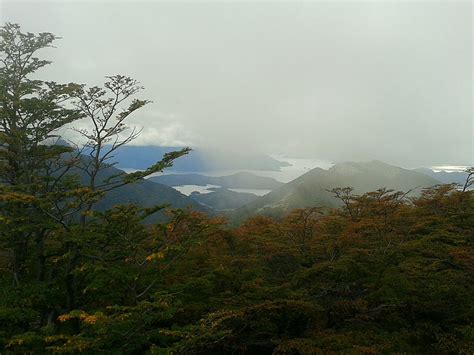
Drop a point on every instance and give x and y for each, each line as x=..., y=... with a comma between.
x=385, y=273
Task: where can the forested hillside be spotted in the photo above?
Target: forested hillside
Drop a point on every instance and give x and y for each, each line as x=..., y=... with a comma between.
x=313, y=188
x=385, y=272
x=142, y=192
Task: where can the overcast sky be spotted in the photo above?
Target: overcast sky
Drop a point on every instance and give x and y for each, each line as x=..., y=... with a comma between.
x=338, y=81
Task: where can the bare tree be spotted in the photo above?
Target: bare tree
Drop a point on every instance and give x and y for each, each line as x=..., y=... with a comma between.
x=107, y=110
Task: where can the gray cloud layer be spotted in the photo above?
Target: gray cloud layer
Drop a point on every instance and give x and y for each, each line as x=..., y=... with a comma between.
x=340, y=81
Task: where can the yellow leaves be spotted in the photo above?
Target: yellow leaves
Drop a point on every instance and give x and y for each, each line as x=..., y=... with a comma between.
x=80, y=191
x=68, y=344
x=89, y=319
x=65, y=317
x=53, y=338
x=155, y=256
x=15, y=341
x=17, y=197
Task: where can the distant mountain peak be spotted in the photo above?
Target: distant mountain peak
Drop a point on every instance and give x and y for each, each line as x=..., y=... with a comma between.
x=311, y=189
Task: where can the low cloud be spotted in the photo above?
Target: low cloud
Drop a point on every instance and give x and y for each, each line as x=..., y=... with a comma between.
x=338, y=81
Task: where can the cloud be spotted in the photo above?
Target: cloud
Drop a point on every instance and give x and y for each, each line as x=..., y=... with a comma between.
x=156, y=129
x=171, y=135
x=340, y=81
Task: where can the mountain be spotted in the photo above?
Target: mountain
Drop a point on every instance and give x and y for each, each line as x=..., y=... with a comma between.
x=242, y=180
x=456, y=177
x=143, y=193
x=222, y=199
x=141, y=157
x=310, y=189
x=147, y=194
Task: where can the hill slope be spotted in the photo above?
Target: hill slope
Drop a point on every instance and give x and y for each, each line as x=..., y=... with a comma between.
x=222, y=199
x=310, y=189
x=143, y=193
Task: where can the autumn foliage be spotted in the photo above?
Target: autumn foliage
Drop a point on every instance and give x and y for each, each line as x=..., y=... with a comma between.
x=385, y=274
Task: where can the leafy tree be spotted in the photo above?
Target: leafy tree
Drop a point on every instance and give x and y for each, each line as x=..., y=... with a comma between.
x=32, y=173
x=41, y=197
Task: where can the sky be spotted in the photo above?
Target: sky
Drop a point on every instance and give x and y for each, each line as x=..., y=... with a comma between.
x=327, y=80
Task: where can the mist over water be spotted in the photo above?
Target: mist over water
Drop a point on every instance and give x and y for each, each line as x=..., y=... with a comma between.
x=449, y=168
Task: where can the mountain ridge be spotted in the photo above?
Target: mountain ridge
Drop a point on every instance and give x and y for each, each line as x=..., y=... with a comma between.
x=144, y=193
x=243, y=179
x=310, y=189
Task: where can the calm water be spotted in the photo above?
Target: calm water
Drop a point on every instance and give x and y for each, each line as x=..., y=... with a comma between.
x=187, y=189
